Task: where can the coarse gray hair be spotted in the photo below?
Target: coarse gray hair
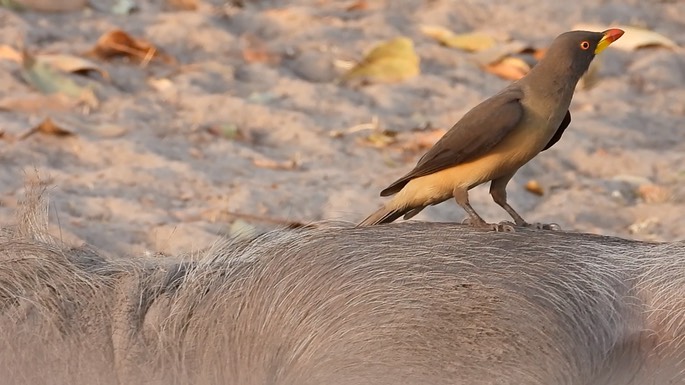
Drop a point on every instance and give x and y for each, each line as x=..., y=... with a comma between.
x=410, y=303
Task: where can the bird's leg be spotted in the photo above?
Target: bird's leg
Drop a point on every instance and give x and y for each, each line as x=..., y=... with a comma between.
x=461, y=195
x=499, y=195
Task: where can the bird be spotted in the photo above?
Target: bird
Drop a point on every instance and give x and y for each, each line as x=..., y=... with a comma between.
x=498, y=136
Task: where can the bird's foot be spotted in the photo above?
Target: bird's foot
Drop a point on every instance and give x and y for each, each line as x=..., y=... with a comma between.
x=543, y=226
x=502, y=227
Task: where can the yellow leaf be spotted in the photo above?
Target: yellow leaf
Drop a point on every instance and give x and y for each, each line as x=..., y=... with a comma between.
x=9, y=53
x=380, y=138
x=634, y=37
x=472, y=42
x=392, y=61
x=73, y=64
x=52, y=5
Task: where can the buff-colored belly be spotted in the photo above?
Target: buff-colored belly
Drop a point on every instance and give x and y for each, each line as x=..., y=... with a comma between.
x=504, y=159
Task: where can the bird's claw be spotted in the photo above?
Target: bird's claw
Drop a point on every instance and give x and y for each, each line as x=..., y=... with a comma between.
x=502, y=227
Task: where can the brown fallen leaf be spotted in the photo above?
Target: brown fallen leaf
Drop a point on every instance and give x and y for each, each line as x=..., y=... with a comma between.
x=48, y=127
x=634, y=37
x=539, y=53
x=652, y=193
x=255, y=50
x=510, y=68
x=183, y=5
x=359, y=5
x=391, y=61
x=49, y=81
x=472, y=42
x=118, y=43
x=534, y=187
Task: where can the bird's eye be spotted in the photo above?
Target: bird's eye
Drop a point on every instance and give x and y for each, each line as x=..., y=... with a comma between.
x=584, y=45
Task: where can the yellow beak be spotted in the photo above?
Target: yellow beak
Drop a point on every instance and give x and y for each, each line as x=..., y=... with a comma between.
x=610, y=36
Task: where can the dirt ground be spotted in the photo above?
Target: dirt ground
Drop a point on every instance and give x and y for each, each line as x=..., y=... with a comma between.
x=249, y=119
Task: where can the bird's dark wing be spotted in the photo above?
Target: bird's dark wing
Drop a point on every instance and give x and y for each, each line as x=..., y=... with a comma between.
x=476, y=133
x=560, y=131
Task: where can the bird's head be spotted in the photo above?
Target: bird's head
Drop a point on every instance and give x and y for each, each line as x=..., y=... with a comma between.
x=576, y=49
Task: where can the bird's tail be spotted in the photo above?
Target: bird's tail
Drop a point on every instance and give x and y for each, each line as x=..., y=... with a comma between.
x=383, y=215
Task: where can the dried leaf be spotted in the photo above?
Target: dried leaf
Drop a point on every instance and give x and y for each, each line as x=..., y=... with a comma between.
x=359, y=5
x=646, y=226
x=9, y=53
x=392, y=61
x=118, y=43
x=379, y=138
x=10, y=4
x=62, y=62
x=634, y=37
x=49, y=81
x=256, y=51
x=73, y=64
x=538, y=54
x=161, y=84
x=472, y=42
x=48, y=127
x=184, y=5
x=51, y=5
x=228, y=131
x=534, y=187
x=510, y=68
x=652, y=193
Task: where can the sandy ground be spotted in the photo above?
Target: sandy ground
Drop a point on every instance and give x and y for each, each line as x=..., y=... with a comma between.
x=146, y=169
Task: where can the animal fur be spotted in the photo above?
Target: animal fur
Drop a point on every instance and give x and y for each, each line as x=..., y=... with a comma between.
x=414, y=303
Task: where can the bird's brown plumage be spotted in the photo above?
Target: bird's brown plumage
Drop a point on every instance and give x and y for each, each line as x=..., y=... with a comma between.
x=494, y=139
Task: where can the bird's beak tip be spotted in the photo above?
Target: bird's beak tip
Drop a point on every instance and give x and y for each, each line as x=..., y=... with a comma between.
x=610, y=36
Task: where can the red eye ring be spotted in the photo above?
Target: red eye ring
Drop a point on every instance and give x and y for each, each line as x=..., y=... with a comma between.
x=584, y=45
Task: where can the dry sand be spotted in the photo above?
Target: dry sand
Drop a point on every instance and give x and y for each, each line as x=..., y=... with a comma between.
x=145, y=172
